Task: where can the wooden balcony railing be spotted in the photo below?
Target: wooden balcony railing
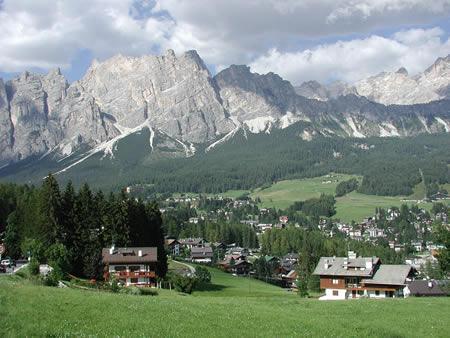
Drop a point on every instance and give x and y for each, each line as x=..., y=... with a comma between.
x=135, y=274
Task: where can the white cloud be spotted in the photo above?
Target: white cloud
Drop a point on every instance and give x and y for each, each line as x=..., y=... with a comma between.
x=352, y=60
x=49, y=33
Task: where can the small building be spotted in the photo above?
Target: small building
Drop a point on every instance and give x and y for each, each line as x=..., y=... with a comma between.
x=425, y=288
x=172, y=246
x=189, y=243
x=202, y=254
x=131, y=266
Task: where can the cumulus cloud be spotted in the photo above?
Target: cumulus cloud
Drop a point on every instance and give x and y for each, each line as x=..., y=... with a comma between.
x=353, y=60
x=49, y=33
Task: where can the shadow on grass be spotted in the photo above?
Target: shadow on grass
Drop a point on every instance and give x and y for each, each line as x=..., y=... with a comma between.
x=210, y=287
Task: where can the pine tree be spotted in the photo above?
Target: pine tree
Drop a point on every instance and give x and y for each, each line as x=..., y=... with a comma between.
x=49, y=211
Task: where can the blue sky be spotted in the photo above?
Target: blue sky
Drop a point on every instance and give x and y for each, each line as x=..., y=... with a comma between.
x=322, y=40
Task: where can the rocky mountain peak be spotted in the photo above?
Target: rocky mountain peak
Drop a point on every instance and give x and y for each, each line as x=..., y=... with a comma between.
x=402, y=71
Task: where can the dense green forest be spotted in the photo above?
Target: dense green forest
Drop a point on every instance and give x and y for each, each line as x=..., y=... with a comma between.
x=69, y=228
x=346, y=187
x=389, y=166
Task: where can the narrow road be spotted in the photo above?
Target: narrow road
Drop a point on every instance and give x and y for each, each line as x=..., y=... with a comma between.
x=190, y=267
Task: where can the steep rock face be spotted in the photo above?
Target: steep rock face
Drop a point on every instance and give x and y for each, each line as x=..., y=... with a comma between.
x=34, y=132
x=312, y=90
x=6, y=127
x=176, y=94
x=316, y=91
x=83, y=122
x=249, y=96
x=395, y=88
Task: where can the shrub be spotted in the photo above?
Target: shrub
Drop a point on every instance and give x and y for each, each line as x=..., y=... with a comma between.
x=53, y=278
x=33, y=267
x=202, y=274
x=183, y=283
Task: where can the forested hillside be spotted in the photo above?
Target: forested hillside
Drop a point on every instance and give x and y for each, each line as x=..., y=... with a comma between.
x=389, y=166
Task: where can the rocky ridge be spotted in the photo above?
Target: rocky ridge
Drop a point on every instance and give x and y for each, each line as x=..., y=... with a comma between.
x=177, y=98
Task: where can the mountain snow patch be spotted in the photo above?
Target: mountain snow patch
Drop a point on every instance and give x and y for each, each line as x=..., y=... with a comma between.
x=444, y=123
x=260, y=124
x=356, y=132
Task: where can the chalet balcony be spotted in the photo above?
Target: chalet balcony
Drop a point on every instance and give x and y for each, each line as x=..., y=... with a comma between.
x=354, y=286
x=135, y=274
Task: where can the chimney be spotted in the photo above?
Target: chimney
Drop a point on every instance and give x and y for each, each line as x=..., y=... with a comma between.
x=140, y=253
x=345, y=263
x=369, y=263
x=111, y=250
x=326, y=265
x=430, y=284
x=351, y=255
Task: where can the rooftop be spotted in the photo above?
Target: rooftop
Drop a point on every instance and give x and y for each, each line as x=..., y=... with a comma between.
x=344, y=266
x=389, y=274
x=133, y=255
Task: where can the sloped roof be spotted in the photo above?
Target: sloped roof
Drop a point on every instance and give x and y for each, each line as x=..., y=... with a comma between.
x=130, y=255
x=336, y=266
x=389, y=274
x=204, y=252
x=421, y=288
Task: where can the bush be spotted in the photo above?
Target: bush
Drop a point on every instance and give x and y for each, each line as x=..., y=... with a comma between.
x=202, y=274
x=183, y=283
x=33, y=267
x=53, y=278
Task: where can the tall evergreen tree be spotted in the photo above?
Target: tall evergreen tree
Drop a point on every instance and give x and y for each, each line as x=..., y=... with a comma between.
x=49, y=211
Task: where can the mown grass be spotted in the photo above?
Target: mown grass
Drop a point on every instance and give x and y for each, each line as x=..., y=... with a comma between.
x=31, y=310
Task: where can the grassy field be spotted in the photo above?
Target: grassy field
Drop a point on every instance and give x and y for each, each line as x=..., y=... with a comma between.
x=284, y=193
x=354, y=206
x=234, y=307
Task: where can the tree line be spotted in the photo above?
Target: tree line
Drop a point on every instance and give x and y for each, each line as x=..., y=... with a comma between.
x=69, y=228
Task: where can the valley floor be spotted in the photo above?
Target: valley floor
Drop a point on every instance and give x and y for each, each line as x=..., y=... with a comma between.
x=232, y=307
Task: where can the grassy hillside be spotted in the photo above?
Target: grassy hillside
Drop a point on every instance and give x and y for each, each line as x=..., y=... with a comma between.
x=354, y=206
x=238, y=307
x=284, y=193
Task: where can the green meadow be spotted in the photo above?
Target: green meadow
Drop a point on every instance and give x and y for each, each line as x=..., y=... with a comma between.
x=231, y=307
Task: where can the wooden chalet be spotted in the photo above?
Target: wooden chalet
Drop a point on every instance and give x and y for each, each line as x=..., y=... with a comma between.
x=356, y=277
x=202, y=254
x=131, y=266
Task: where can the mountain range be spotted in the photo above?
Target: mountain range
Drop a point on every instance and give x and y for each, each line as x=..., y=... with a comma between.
x=185, y=108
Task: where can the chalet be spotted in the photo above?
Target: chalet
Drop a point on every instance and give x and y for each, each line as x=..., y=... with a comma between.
x=356, y=277
x=190, y=243
x=172, y=246
x=202, y=254
x=290, y=279
x=131, y=266
x=425, y=288
x=235, y=264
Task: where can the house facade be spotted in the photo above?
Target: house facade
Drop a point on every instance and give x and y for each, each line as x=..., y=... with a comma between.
x=131, y=266
x=202, y=254
x=358, y=277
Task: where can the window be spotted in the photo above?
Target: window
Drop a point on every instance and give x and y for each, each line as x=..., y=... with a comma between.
x=360, y=292
x=120, y=268
x=377, y=292
x=134, y=268
x=335, y=293
x=335, y=281
x=133, y=280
